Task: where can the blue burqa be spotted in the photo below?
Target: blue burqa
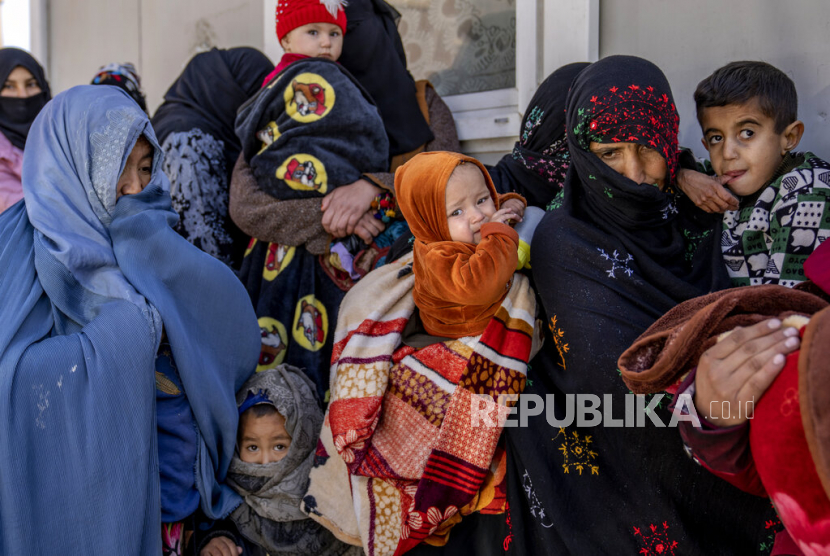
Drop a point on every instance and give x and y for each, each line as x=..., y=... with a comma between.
x=85, y=285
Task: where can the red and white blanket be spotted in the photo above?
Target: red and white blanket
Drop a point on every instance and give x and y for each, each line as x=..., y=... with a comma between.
x=409, y=436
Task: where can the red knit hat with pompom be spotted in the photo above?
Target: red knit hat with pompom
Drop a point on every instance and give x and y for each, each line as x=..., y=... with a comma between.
x=296, y=13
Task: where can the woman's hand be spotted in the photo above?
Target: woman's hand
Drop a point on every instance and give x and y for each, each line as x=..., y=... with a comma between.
x=514, y=205
x=707, y=192
x=505, y=215
x=221, y=546
x=369, y=227
x=739, y=369
x=345, y=206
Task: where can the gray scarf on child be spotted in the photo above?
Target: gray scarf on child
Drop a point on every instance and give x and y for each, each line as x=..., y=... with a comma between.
x=271, y=516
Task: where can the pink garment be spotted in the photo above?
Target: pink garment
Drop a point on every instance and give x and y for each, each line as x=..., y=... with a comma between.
x=11, y=168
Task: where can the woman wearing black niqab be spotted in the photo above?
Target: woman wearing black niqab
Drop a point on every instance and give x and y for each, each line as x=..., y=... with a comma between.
x=195, y=126
x=611, y=257
x=21, y=100
x=538, y=165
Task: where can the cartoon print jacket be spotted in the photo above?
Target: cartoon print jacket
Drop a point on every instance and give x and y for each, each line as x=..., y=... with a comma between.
x=311, y=129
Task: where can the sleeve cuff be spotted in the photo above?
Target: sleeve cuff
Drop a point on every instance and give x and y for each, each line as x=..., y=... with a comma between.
x=491, y=228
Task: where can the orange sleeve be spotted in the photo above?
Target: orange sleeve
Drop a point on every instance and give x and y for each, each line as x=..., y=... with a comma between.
x=464, y=278
x=507, y=196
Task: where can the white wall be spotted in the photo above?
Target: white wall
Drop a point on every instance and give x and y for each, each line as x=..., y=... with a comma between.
x=159, y=36
x=689, y=40
x=14, y=15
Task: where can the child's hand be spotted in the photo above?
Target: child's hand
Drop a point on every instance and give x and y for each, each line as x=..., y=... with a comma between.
x=515, y=205
x=707, y=192
x=506, y=216
x=739, y=369
x=369, y=227
x=221, y=546
x=345, y=206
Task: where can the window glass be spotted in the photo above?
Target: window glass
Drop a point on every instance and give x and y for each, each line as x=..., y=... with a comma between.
x=461, y=46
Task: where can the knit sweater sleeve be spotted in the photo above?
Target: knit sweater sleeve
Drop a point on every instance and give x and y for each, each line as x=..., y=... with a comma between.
x=442, y=125
x=478, y=276
x=261, y=216
x=797, y=228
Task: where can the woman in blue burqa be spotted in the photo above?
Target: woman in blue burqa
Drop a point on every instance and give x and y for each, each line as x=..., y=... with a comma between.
x=121, y=344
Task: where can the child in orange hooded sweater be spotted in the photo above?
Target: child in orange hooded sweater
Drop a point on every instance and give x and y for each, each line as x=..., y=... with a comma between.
x=465, y=251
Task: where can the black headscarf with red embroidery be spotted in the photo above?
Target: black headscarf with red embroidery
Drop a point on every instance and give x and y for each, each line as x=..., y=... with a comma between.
x=628, y=99
x=609, y=261
x=538, y=165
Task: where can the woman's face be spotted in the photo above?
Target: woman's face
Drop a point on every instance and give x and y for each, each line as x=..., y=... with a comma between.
x=137, y=171
x=638, y=163
x=20, y=84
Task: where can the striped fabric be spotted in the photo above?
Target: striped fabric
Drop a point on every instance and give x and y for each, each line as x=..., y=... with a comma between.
x=406, y=440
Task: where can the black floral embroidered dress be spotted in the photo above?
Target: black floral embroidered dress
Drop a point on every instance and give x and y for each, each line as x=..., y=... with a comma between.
x=624, y=253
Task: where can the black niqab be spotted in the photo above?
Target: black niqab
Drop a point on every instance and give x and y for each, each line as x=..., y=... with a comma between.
x=208, y=93
x=373, y=53
x=539, y=163
x=17, y=114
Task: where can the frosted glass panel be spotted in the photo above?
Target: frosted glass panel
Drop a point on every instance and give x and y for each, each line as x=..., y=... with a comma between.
x=461, y=46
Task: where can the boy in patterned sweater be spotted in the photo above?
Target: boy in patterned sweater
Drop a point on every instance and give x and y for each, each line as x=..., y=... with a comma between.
x=748, y=113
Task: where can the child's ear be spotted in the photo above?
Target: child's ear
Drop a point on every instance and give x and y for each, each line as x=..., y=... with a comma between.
x=285, y=44
x=791, y=136
x=705, y=144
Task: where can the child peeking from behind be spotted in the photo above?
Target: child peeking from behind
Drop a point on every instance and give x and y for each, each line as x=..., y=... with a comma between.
x=279, y=423
x=465, y=250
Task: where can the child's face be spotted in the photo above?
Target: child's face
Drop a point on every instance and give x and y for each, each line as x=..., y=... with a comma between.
x=743, y=144
x=469, y=204
x=318, y=40
x=262, y=439
x=137, y=171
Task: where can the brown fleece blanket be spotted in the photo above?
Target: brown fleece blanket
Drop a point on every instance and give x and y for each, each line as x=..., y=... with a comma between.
x=672, y=346
x=814, y=394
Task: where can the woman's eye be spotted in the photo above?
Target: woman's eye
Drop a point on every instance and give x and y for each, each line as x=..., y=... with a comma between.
x=9, y=85
x=747, y=133
x=607, y=155
x=146, y=169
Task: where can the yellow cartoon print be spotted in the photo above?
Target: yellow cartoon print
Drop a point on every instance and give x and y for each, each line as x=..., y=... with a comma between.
x=274, y=343
x=278, y=257
x=311, y=323
x=303, y=172
x=308, y=98
x=268, y=135
x=250, y=247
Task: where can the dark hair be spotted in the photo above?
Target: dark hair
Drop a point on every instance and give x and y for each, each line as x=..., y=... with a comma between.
x=741, y=82
x=262, y=409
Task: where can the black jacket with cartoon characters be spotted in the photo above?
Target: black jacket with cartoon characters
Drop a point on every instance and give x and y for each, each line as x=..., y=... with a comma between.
x=311, y=129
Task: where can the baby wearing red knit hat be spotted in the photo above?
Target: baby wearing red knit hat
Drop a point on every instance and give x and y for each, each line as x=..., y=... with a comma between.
x=312, y=27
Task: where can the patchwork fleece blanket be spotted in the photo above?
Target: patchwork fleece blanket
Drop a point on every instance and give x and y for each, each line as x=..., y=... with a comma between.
x=409, y=438
x=311, y=129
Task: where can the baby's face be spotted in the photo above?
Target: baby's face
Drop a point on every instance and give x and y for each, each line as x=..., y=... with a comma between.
x=262, y=439
x=469, y=204
x=318, y=40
